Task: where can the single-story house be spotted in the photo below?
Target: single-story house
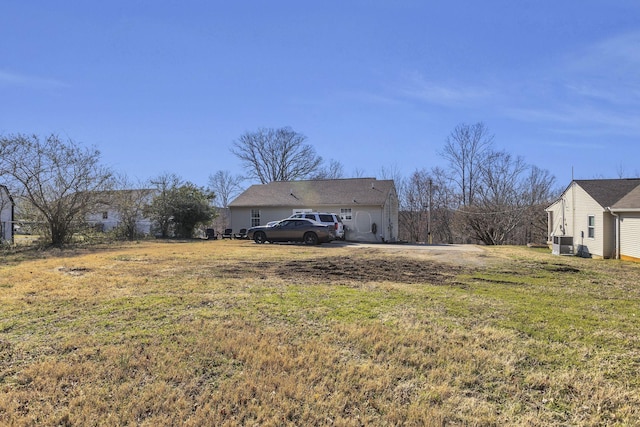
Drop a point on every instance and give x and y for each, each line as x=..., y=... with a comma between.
x=598, y=217
x=368, y=207
x=7, y=212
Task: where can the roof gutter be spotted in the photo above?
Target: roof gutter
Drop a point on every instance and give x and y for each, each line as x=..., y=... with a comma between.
x=612, y=210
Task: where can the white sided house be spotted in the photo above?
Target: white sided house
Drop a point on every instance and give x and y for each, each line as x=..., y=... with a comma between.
x=7, y=209
x=368, y=207
x=108, y=212
x=598, y=217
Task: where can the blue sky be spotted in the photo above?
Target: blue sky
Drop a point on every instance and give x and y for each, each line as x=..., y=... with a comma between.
x=167, y=86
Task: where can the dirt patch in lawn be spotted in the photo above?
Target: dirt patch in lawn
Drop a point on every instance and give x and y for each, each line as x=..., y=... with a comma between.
x=399, y=270
x=348, y=269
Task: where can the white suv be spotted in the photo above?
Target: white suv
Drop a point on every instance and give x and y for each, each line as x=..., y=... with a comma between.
x=330, y=219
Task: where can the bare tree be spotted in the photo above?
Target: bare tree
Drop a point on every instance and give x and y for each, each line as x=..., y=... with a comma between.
x=501, y=179
x=130, y=200
x=225, y=186
x=622, y=172
x=414, y=203
x=499, y=207
x=510, y=200
x=60, y=179
x=443, y=202
x=540, y=191
x=358, y=173
x=334, y=170
x=392, y=172
x=428, y=202
x=465, y=149
x=6, y=208
x=500, y=199
x=276, y=155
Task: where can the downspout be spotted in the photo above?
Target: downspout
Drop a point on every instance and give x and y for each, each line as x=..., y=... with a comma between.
x=617, y=242
x=383, y=225
x=563, y=225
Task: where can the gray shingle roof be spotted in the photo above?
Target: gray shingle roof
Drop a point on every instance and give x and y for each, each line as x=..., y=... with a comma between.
x=630, y=201
x=366, y=191
x=607, y=192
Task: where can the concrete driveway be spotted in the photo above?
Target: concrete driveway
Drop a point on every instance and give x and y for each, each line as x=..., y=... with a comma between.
x=455, y=254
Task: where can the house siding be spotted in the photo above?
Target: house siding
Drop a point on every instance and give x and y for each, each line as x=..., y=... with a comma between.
x=556, y=226
x=360, y=228
x=113, y=220
x=241, y=217
x=6, y=216
x=630, y=236
x=609, y=233
x=109, y=204
x=585, y=206
x=574, y=208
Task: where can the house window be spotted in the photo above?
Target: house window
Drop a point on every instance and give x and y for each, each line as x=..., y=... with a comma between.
x=345, y=214
x=105, y=215
x=591, y=226
x=255, y=217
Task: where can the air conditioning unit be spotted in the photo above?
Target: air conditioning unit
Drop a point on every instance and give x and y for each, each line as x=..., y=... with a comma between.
x=562, y=245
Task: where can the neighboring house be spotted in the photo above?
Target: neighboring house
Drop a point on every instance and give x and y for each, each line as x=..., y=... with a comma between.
x=598, y=217
x=7, y=209
x=109, y=210
x=368, y=207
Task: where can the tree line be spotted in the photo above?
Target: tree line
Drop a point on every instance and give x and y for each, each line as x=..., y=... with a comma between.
x=482, y=195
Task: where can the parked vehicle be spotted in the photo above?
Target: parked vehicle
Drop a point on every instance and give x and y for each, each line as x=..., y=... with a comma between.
x=292, y=230
x=330, y=219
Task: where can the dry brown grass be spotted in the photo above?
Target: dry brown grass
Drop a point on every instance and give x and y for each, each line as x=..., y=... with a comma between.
x=233, y=333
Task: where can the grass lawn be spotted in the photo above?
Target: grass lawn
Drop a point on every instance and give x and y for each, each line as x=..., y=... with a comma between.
x=234, y=333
